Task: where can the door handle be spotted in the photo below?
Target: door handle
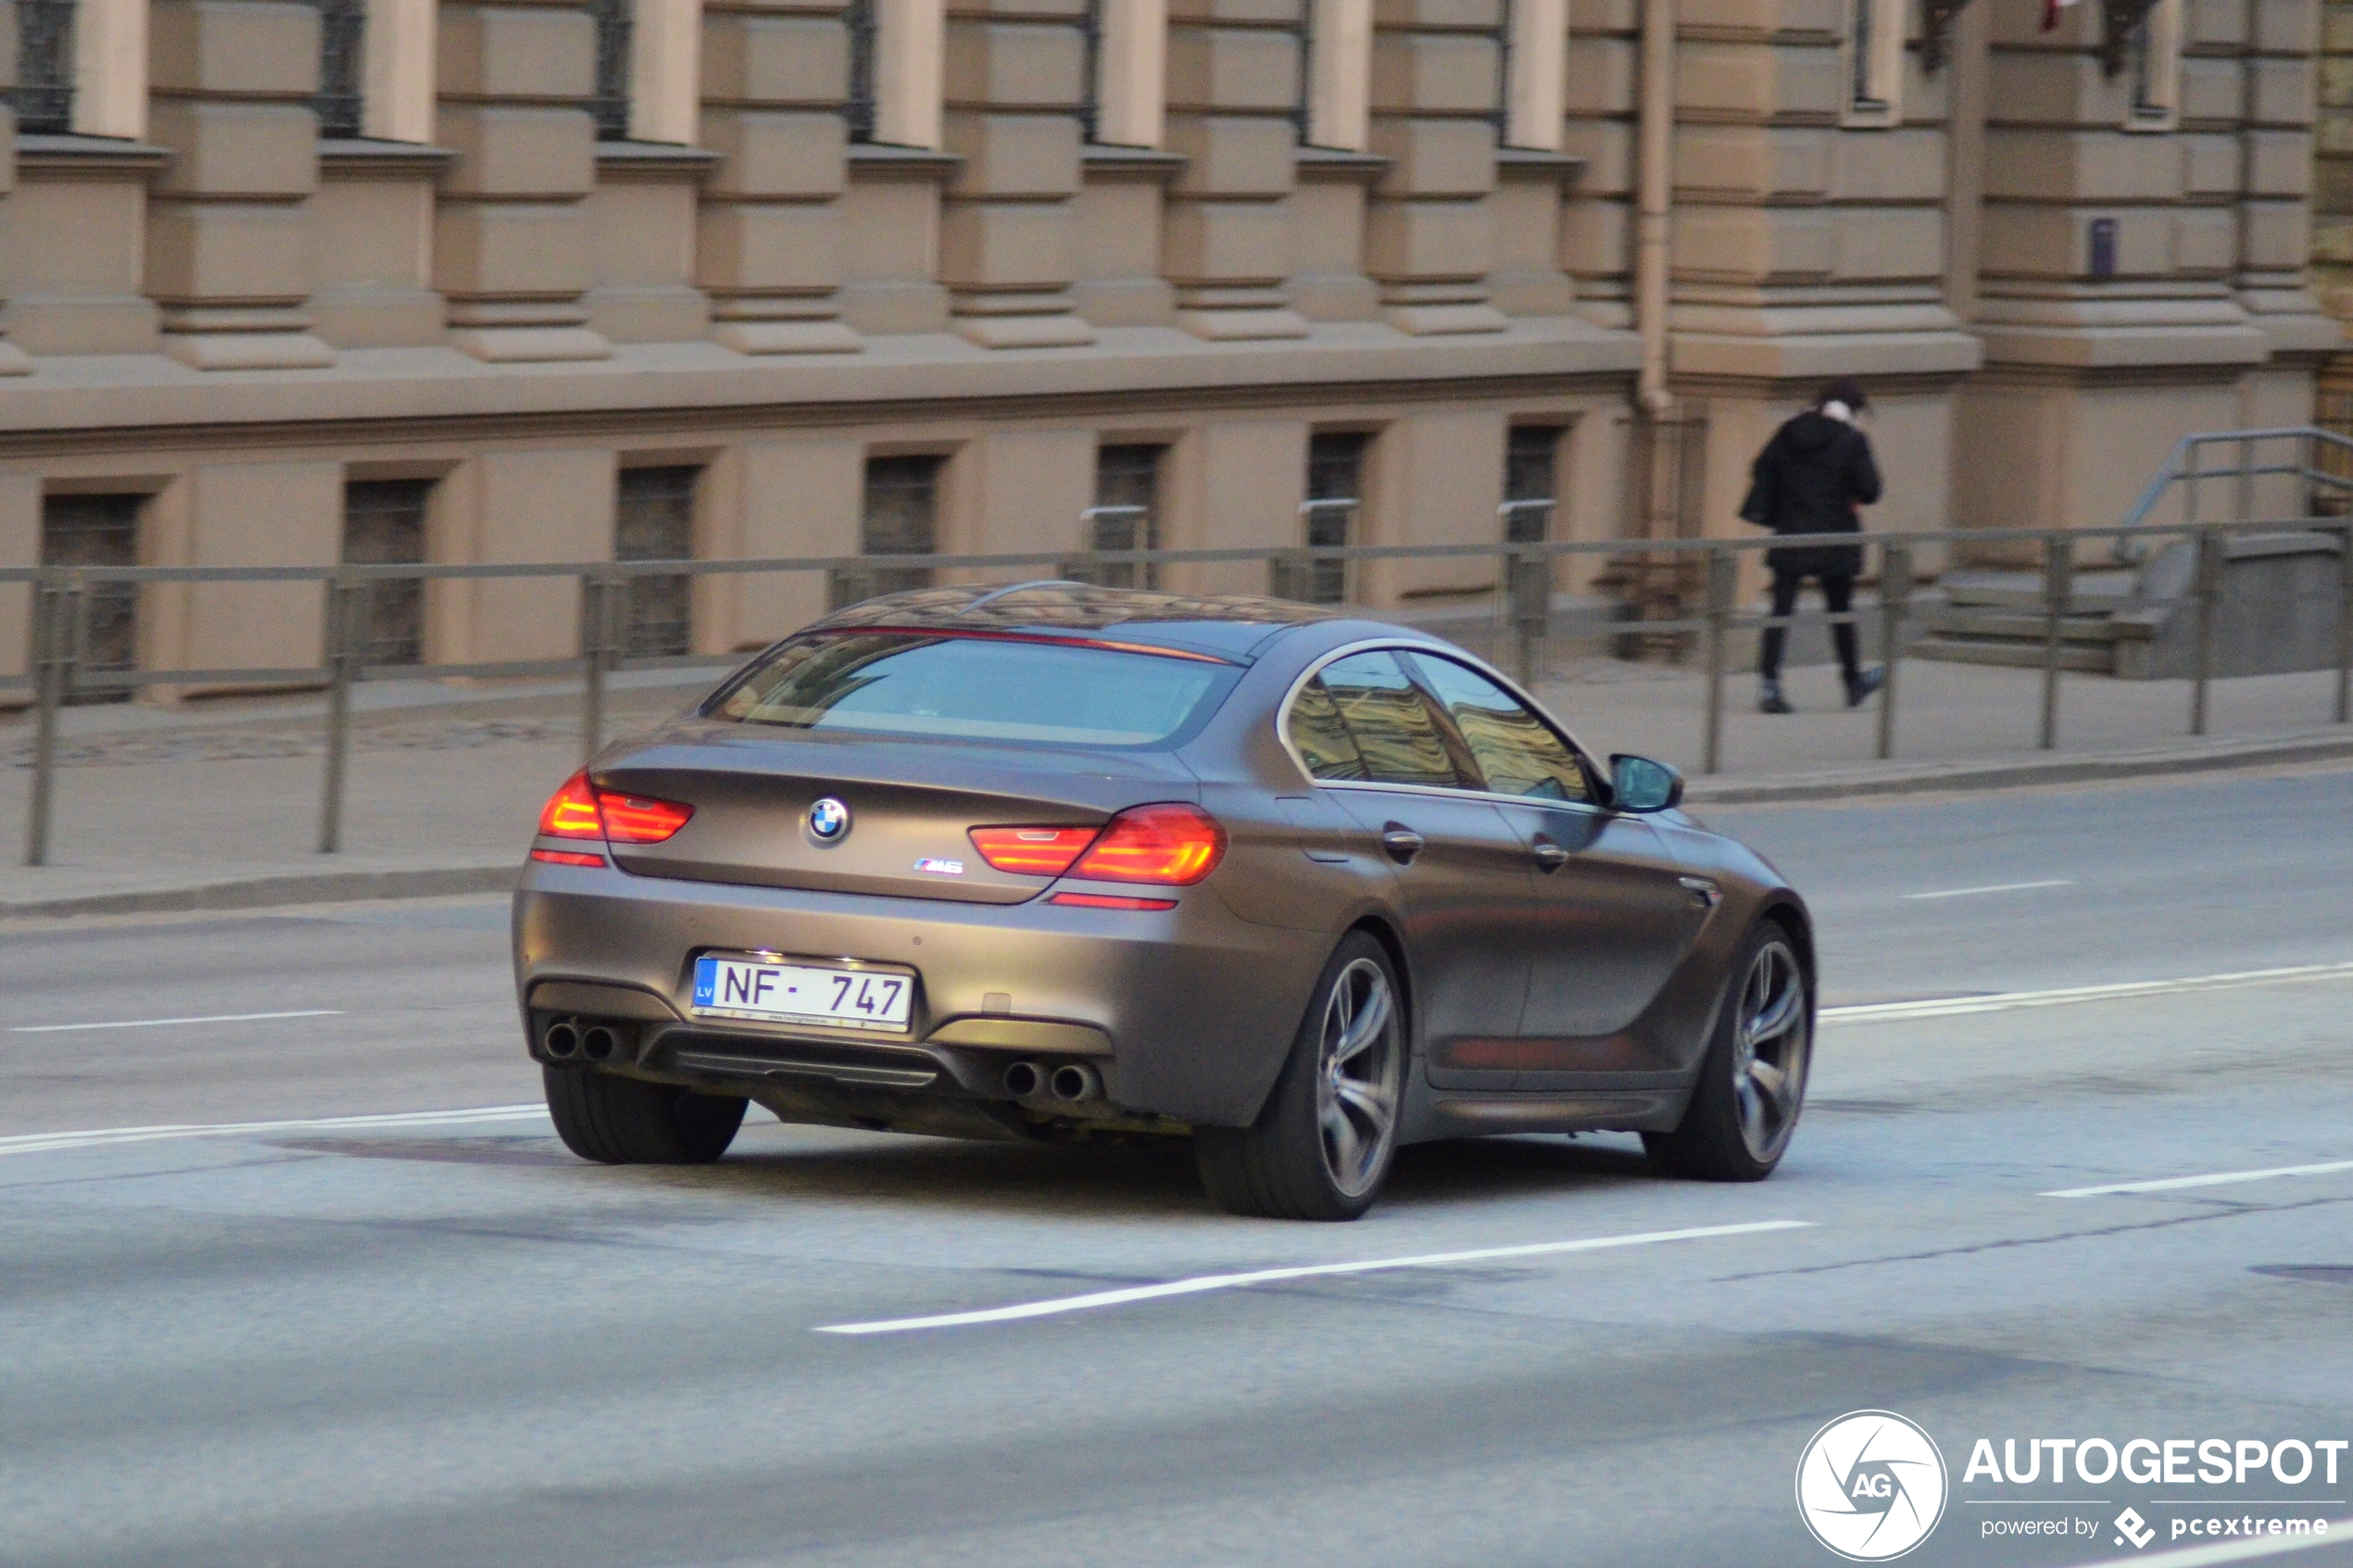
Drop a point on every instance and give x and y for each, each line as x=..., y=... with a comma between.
x=1705, y=894
x=1550, y=857
x=1401, y=843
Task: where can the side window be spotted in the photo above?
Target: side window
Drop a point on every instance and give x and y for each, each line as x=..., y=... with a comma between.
x=1391, y=721
x=1323, y=740
x=1518, y=751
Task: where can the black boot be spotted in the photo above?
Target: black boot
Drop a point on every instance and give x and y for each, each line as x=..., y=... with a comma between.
x=1860, y=686
x=1769, y=699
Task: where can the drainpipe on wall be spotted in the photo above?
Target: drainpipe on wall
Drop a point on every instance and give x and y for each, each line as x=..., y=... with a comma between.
x=1654, y=135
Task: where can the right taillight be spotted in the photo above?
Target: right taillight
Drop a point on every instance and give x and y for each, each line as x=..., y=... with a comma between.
x=1170, y=845
x=1032, y=851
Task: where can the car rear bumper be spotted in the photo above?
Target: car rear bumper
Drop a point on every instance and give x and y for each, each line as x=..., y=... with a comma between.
x=1184, y=1013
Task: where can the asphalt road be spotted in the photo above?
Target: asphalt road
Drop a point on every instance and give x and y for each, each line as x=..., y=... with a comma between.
x=409, y=1343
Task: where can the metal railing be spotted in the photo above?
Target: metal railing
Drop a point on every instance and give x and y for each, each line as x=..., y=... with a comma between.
x=2321, y=461
x=59, y=597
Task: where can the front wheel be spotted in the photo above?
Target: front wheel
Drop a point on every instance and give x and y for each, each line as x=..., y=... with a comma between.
x=1752, y=1085
x=1323, y=1142
x=629, y=1122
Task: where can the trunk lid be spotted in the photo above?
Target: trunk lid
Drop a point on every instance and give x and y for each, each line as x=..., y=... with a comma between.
x=911, y=803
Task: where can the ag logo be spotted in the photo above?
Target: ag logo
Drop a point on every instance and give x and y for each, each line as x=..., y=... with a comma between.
x=1870, y=1485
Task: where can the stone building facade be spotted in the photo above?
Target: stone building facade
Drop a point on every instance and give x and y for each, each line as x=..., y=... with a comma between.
x=302, y=281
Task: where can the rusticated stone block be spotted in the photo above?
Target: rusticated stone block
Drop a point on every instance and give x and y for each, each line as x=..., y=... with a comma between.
x=516, y=52
x=516, y=151
x=1432, y=241
x=1232, y=68
x=1440, y=72
x=1231, y=243
x=1436, y=157
x=1015, y=65
x=1231, y=156
x=785, y=248
x=246, y=47
x=1013, y=155
x=237, y=250
x=775, y=153
x=774, y=61
x=234, y=148
x=488, y=248
x=1004, y=245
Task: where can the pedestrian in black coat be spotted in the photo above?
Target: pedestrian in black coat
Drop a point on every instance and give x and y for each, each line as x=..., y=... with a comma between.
x=1812, y=478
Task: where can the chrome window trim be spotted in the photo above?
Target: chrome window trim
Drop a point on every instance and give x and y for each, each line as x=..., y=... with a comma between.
x=1387, y=645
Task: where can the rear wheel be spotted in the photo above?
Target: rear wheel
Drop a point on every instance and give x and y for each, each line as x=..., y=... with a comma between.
x=1753, y=1084
x=629, y=1122
x=1323, y=1142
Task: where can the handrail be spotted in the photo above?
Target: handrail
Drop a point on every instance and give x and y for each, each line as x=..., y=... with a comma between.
x=2178, y=469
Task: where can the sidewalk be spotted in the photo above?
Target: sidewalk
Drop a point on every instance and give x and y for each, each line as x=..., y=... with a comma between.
x=216, y=805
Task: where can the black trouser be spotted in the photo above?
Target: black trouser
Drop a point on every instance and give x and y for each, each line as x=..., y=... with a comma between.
x=1839, y=593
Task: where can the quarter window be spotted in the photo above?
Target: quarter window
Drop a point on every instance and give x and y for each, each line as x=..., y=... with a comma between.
x=1391, y=721
x=1517, y=752
x=1321, y=736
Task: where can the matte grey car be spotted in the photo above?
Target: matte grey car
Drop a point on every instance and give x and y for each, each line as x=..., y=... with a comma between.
x=1055, y=861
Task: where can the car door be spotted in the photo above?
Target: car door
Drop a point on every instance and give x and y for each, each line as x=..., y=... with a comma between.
x=1371, y=737
x=1614, y=911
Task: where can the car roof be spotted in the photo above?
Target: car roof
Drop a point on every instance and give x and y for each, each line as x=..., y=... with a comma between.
x=1232, y=626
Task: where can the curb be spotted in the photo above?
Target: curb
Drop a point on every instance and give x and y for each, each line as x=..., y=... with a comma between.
x=1934, y=778
x=267, y=892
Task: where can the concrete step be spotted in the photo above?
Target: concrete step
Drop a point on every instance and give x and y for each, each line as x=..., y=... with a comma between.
x=2095, y=592
x=1982, y=621
x=2078, y=656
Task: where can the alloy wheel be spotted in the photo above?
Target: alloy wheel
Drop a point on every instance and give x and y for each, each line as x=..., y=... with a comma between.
x=1770, y=1042
x=1356, y=1078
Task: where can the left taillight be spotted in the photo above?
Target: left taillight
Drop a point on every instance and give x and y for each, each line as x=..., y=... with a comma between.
x=1169, y=844
x=582, y=810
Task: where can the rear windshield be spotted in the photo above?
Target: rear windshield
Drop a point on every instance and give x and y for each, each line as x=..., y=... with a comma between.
x=976, y=688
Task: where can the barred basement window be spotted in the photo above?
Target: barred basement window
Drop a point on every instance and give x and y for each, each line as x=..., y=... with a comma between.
x=1501, y=118
x=858, y=113
x=902, y=519
x=98, y=531
x=342, y=30
x=1303, y=109
x=1335, y=491
x=1090, y=82
x=610, y=107
x=654, y=520
x=44, y=67
x=1530, y=489
x=384, y=524
x=1125, y=516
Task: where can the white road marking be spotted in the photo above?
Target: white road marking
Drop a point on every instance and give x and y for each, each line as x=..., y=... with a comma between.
x=1997, y=887
x=159, y=1022
x=1954, y=1007
x=2238, y=1551
x=2223, y=1178
x=1201, y=1283
x=43, y=1143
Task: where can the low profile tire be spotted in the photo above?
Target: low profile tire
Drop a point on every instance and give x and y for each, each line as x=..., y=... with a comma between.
x=629, y=1122
x=1752, y=1085
x=1323, y=1143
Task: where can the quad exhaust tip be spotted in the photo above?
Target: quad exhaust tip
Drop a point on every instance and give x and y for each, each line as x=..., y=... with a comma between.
x=562, y=1041
x=1022, y=1080
x=1074, y=1081
x=597, y=1044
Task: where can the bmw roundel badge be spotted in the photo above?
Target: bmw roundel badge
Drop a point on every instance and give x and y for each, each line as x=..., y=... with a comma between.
x=828, y=819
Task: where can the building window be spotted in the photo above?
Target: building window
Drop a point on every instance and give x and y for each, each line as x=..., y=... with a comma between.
x=1530, y=488
x=1874, y=62
x=342, y=31
x=654, y=520
x=1125, y=516
x=384, y=524
x=859, y=112
x=44, y=67
x=1335, y=499
x=901, y=517
x=2152, y=56
x=98, y=531
x=610, y=107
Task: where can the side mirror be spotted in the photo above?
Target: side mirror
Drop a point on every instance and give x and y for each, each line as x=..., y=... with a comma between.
x=1637, y=784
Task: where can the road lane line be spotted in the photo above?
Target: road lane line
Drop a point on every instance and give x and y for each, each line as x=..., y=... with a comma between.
x=1201, y=1283
x=2221, y=1178
x=1997, y=887
x=44, y=1143
x=2003, y=1001
x=158, y=1022
x=2236, y=1551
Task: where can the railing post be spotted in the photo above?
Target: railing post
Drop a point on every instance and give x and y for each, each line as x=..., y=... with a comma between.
x=53, y=614
x=596, y=637
x=1895, y=601
x=1723, y=588
x=2058, y=584
x=2246, y=479
x=1530, y=580
x=340, y=597
x=2344, y=626
x=2209, y=590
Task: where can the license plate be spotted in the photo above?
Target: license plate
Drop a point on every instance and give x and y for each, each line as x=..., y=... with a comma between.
x=789, y=993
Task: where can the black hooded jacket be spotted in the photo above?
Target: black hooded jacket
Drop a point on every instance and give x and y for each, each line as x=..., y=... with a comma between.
x=1809, y=479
